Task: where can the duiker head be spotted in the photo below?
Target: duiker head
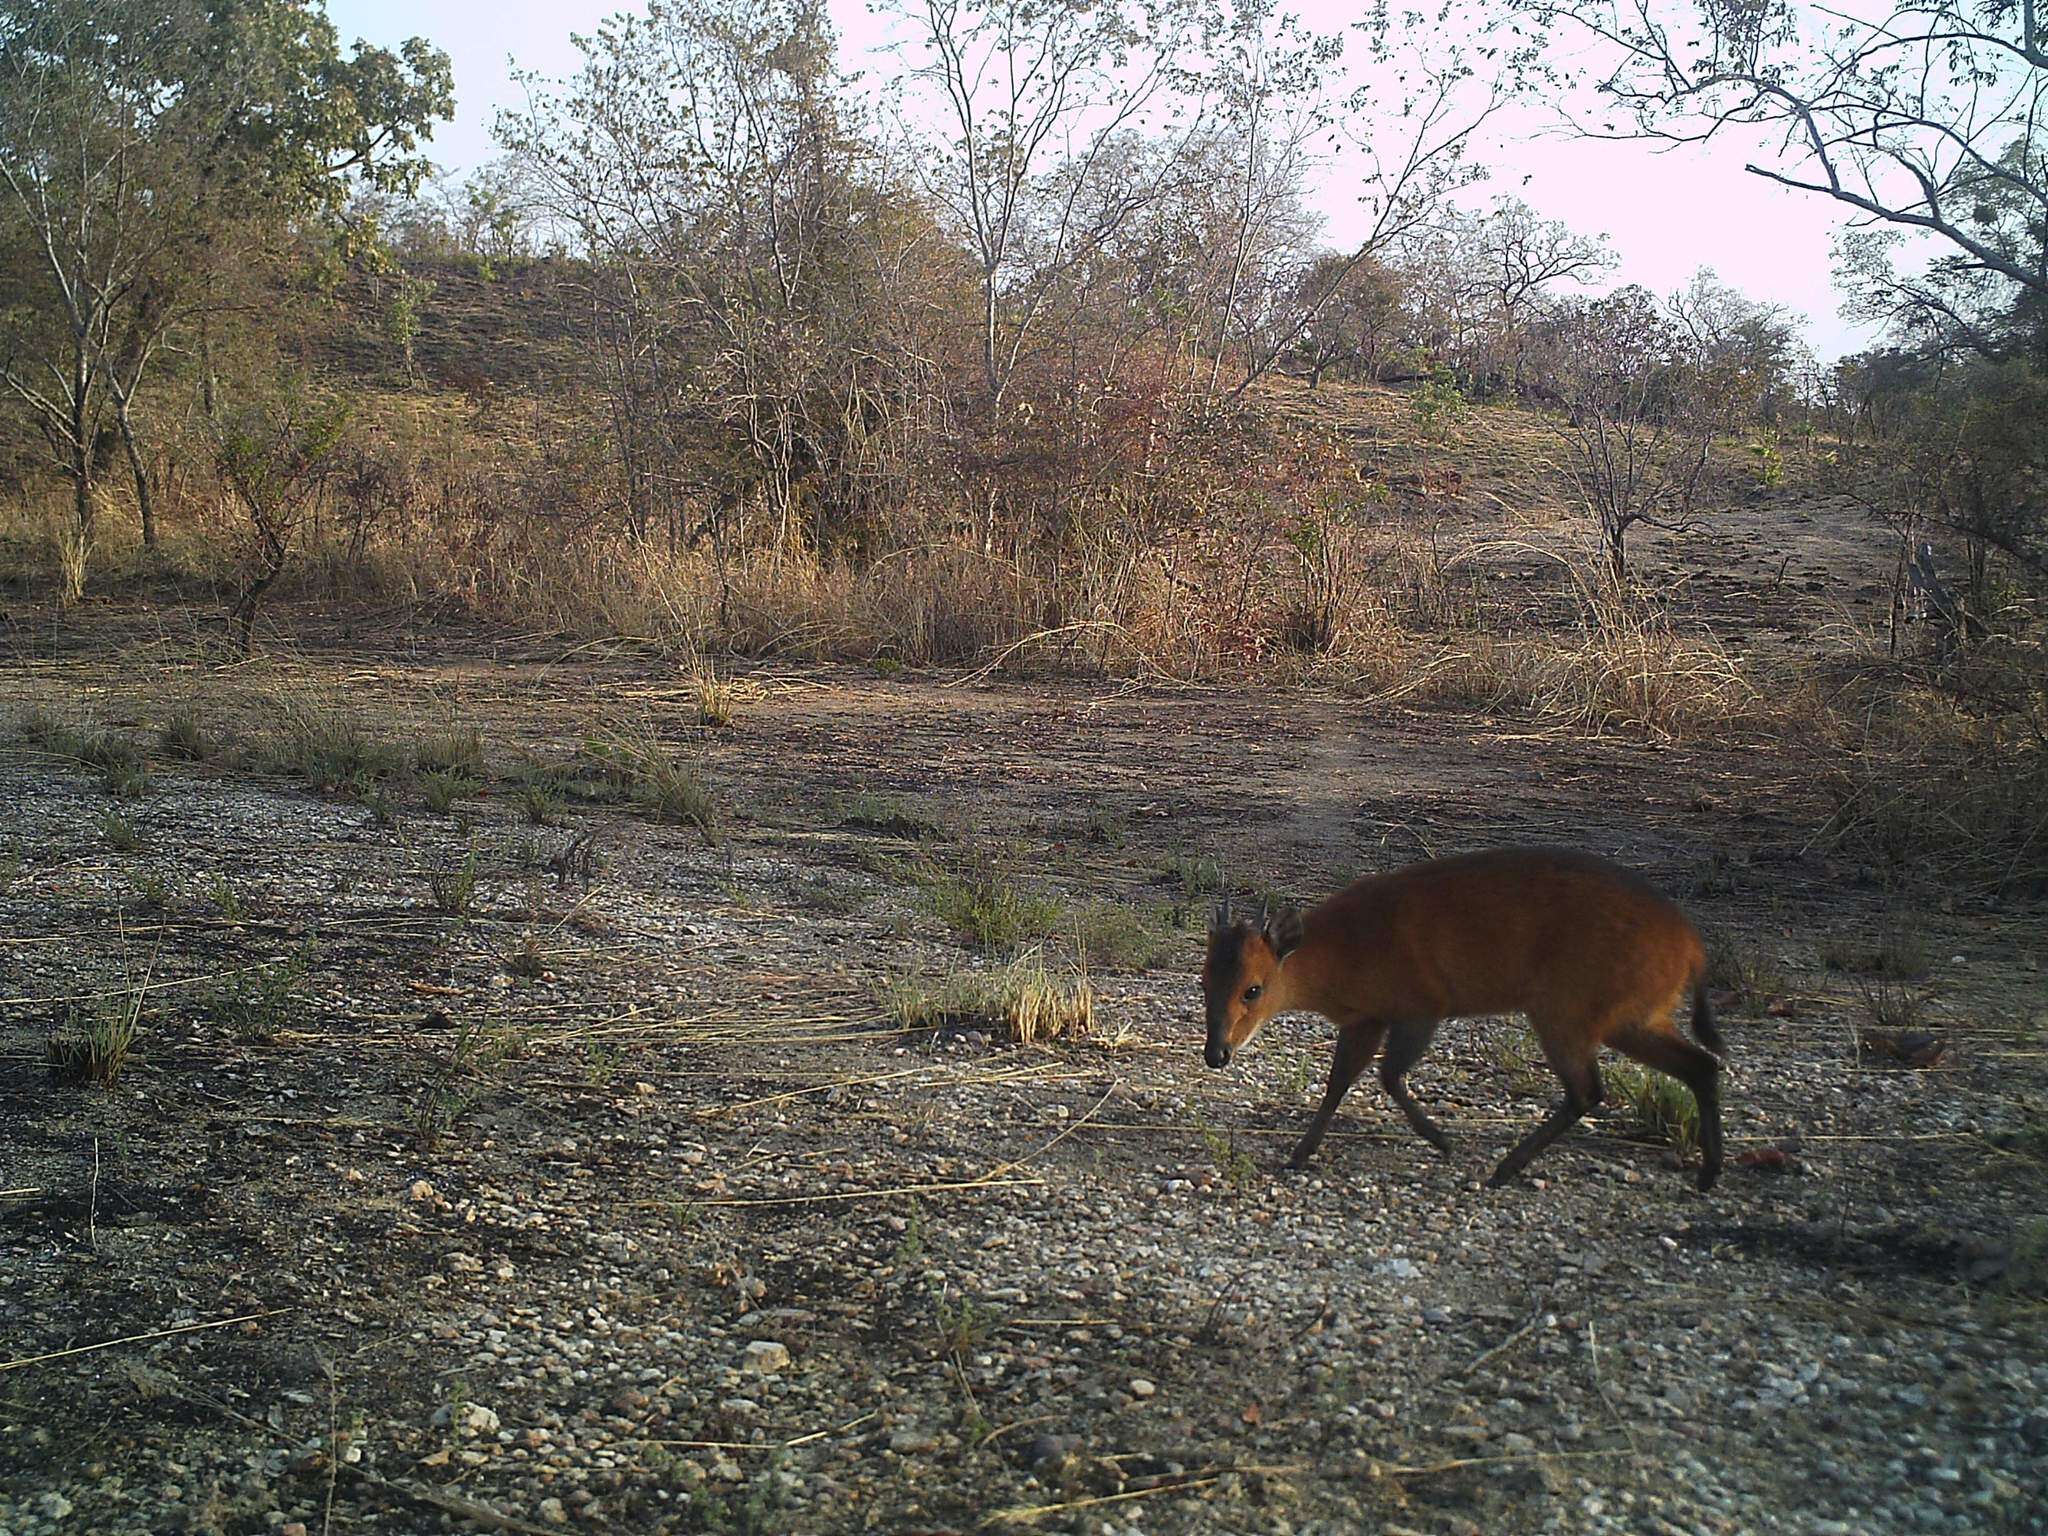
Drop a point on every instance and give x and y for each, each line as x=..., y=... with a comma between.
x=1239, y=975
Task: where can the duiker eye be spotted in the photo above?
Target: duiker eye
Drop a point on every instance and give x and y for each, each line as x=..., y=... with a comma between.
x=1251, y=994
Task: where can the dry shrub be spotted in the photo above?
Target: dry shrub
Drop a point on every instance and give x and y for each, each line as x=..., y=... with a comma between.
x=1631, y=668
x=71, y=549
x=1927, y=780
x=1627, y=666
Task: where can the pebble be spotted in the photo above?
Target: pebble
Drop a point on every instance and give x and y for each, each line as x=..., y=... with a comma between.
x=766, y=1357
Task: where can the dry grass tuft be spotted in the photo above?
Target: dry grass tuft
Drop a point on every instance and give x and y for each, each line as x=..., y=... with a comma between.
x=1026, y=1002
x=1928, y=782
x=668, y=783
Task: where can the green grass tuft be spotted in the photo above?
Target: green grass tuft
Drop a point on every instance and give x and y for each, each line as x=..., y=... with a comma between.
x=1658, y=1107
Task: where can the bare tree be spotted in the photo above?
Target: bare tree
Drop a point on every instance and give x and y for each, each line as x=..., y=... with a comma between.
x=1523, y=258
x=1637, y=425
x=1037, y=96
x=1411, y=124
x=741, y=256
x=1746, y=351
x=1921, y=115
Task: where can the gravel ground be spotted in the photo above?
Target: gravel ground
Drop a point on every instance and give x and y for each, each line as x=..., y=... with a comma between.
x=683, y=1234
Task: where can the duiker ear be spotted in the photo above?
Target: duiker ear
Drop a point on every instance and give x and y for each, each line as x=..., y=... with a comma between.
x=1284, y=933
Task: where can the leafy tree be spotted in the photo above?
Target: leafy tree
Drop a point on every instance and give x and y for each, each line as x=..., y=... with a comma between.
x=273, y=450
x=142, y=144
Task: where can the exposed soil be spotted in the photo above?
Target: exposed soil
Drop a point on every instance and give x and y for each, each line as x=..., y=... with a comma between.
x=683, y=1234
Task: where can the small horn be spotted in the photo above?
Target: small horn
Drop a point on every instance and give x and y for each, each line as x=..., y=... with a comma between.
x=1220, y=921
x=1265, y=916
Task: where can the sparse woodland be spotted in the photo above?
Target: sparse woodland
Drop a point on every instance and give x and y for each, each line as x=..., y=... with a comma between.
x=625, y=542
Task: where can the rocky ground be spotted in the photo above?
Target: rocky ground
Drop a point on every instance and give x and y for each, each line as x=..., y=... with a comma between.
x=617, y=1201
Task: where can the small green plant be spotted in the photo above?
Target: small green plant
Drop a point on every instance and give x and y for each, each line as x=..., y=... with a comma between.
x=984, y=906
x=2026, y=1269
x=227, y=901
x=456, y=753
x=910, y=1246
x=119, y=832
x=668, y=784
x=1747, y=972
x=1898, y=955
x=257, y=1005
x=126, y=778
x=1658, y=1107
x=453, y=891
x=403, y=309
x=1439, y=403
x=184, y=735
x=1892, y=1006
x=1106, y=828
x=367, y=790
x=1301, y=1074
x=149, y=892
x=1233, y=1164
x=963, y=1326
x=601, y=1062
x=818, y=891
x=1770, y=459
x=442, y=787
x=1518, y=1058
x=883, y=813
x=97, y=1040
x=1120, y=937
x=1194, y=875
x=445, y=1092
x=325, y=745
x=122, y=767
x=540, y=802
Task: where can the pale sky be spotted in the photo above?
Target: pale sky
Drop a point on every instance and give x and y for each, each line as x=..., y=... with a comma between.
x=1666, y=213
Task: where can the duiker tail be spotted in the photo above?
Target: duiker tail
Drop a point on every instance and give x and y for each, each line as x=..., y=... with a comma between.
x=1703, y=1028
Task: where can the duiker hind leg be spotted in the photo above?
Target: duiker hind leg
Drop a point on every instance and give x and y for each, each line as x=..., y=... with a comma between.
x=1573, y=1064
x=1670, y=1053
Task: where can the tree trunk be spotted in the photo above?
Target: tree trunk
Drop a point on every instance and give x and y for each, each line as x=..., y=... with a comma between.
x=145, y=500
x=1617, y=553
x=242, y=617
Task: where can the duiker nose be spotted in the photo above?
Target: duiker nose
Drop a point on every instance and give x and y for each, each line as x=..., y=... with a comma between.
x=1217, y=1055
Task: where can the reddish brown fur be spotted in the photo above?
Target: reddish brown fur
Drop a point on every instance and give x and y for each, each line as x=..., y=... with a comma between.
x=1590, y=952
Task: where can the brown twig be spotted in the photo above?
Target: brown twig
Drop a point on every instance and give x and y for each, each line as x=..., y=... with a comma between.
x=138, y=1338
